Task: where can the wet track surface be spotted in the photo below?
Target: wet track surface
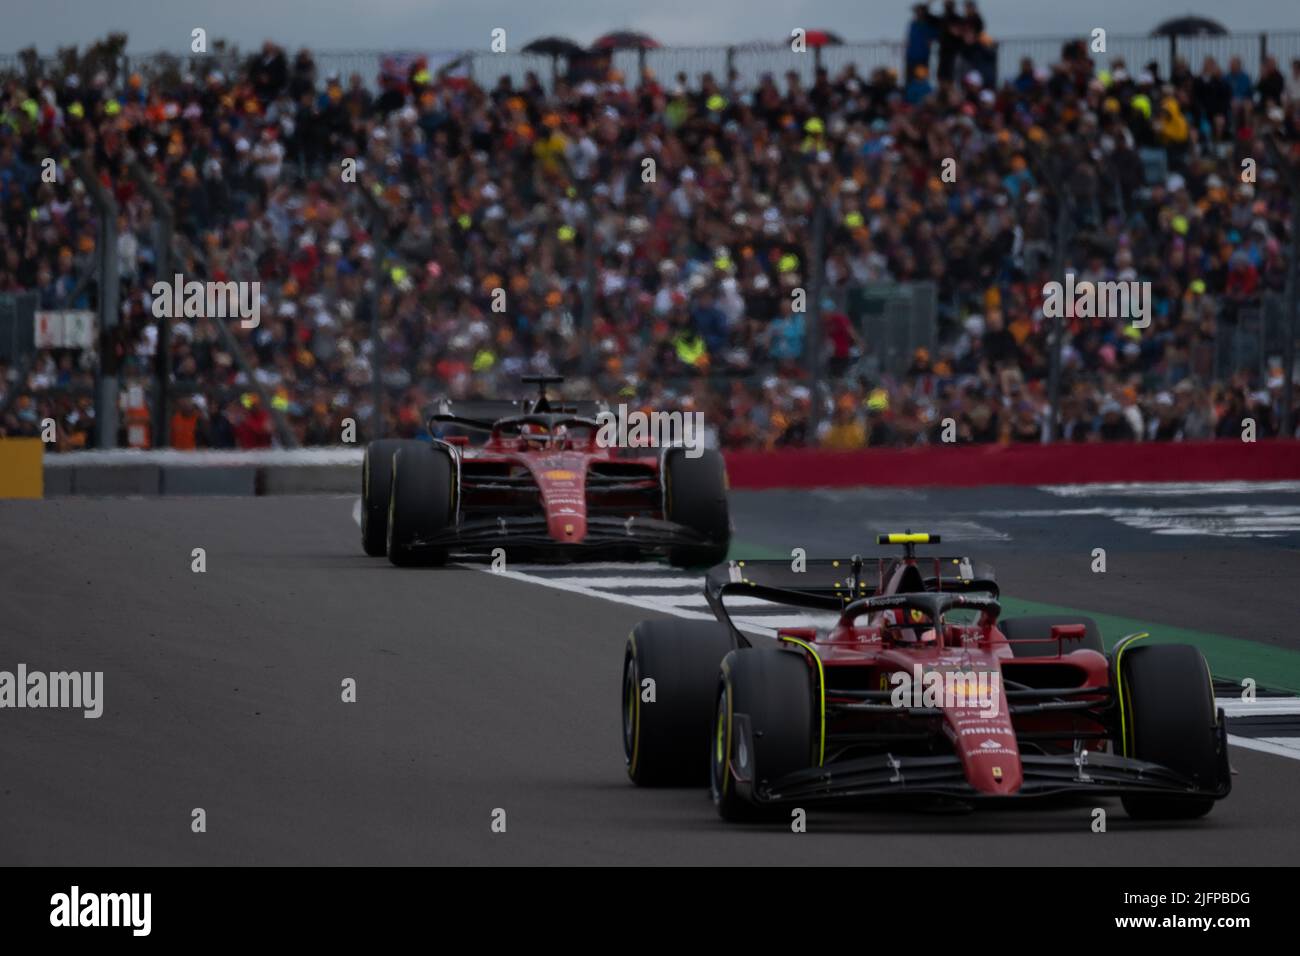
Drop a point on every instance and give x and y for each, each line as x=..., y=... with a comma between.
x=478, y=691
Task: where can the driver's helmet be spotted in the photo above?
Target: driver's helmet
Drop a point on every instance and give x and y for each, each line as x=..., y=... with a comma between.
x=909, y=625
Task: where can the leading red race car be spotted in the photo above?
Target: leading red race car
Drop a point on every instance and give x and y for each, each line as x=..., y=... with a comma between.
x=915, y=690
x=540, y=486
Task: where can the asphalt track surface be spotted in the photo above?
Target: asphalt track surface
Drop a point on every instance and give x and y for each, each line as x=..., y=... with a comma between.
x=478, y=692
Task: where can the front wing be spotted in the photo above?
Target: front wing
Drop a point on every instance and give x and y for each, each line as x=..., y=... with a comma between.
x=604, y=534
x=885, y=776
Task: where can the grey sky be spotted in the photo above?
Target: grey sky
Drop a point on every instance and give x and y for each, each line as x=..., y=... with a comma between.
x=437, y=25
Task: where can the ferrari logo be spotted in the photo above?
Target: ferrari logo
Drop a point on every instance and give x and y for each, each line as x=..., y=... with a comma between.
x=559, y=474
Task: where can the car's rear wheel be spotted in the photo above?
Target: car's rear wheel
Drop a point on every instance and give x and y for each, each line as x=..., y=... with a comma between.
x=666, y=721
x=1039, y=629
x=421, y=504
x=696, y=497
x=376, y=483
x=773, y=689
x=1170, y=718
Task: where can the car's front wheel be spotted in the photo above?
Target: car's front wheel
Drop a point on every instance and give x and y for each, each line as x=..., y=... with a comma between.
x=695, y=495
x=421, y=504
x=1168, y=717
x=376, y=483
x=772, y=689
x=670, y=671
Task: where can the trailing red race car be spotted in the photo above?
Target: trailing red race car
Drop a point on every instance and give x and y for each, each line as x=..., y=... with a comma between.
x=540, y=486
x=916, y=690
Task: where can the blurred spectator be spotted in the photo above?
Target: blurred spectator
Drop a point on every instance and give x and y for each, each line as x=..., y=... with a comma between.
x=188, y=426
x=517, y=189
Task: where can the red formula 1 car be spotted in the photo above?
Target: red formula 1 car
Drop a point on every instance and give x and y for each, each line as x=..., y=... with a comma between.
x=540, y=486
x=915, y=690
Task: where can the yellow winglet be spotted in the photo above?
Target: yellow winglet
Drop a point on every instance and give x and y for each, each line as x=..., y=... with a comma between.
x=821, y=691
x=907, y=538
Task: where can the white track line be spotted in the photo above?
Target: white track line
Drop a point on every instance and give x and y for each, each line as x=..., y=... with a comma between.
x=649, y=583
x=571, y=586
x=1260, y=707
x=1263, y=707
x=651, y=604
x=1266, y=745
x=1170, y=488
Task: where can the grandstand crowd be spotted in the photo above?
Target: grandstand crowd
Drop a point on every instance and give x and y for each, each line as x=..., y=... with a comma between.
x=528, y=188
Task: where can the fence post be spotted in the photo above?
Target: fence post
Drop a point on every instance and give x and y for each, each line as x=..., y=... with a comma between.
x=1058, y=322
x=1288, y=344
x=589, y=271
x=164, y=223
x=1291, y=174
x=814, y=334
x=379, y=240
x=106, y=385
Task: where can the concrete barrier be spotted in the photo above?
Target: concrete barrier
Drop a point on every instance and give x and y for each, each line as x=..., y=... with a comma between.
x=338, y=470
x=170, y=472
x=118, y=481
x=213, y=480
x=309, y=479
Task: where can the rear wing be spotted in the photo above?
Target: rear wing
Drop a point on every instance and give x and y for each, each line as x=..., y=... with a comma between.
x=482, y=414
x=836, y=581
x=829, y=584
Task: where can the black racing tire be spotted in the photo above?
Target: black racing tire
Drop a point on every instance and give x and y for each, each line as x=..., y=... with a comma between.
x=1035, y=627
x=421, y=504
x=695, y=495
x=774, y=688
x=1170, y=718
x=376, y=484
x=665, y=742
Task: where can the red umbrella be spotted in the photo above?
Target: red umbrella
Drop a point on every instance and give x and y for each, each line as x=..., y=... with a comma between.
x=816, y=39
x=821, y=38
x=626, y=40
